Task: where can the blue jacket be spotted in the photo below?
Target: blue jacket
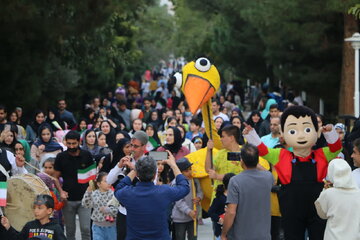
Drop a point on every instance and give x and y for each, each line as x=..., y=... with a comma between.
x=147, y=207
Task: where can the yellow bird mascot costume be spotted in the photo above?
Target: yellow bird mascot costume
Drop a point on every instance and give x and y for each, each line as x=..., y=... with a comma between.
x=199, y=82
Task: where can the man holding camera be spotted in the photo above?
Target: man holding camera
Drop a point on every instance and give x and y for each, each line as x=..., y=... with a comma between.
x=146, y=203
x=138, y=148
x=248, y=200
x=221, y=162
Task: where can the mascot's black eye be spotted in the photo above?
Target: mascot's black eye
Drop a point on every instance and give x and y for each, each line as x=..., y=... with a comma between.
x=202, y=64
x=292, y=132
x=307, y=130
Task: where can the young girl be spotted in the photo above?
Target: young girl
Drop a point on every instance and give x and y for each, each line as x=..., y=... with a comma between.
x=217, y=207
x=54, y=186
x=104, y=225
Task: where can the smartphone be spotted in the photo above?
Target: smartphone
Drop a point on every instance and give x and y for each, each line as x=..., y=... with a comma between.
x=233, y=156
x=158, y=156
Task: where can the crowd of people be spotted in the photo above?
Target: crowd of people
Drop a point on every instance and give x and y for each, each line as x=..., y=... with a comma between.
x=136, y=195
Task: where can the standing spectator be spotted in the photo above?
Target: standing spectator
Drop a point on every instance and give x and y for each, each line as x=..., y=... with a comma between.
x=122, y=168
x=356, y=158
x=90, y=143
x=2, y=117
x=272, y=139
x=147, y=204
x=255, y=120
x=32, y=129
x=183, y=212
x=272, y=112
x=339, y=203
x=8, y=140
x=67, y=165
x=124, y=113
x=174, y=143
x=137, y=125
x=216, y=111
x=103, y=226
x=237, y=121
x=185, y=141
x=154, y=140
x=218, y=205
x=147, y=109
x=195, y=125
x=45, y=146
x=65, y=115
x=248, y=201
x=54, y=120
x=109, y=132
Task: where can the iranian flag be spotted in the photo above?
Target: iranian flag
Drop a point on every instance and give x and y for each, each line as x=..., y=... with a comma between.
x=87, y=174
x=3, y=188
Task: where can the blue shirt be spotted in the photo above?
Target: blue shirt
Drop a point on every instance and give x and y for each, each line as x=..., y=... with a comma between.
x=147, y=207
x=269, y=141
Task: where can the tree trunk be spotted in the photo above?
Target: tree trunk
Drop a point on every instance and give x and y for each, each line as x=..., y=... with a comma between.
x=346, y=97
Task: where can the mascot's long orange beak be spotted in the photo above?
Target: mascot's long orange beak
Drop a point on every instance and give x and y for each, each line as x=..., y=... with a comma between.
x=197, y=91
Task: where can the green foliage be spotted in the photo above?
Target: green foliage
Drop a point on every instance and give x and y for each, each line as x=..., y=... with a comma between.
x=296, y=42
x=75, y=49
x=355, y=10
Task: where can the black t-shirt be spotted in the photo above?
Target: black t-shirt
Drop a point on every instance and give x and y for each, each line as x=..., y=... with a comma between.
x=68, y=166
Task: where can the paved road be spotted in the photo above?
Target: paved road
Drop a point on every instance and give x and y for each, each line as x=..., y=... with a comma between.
x=205, y=231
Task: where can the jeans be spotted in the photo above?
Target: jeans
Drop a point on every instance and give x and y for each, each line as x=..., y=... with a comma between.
x=182, y=228
x=69, y=211
x=104, y=233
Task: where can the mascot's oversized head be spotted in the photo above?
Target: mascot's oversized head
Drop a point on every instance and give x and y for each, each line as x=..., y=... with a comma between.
x=299, y=127
x=199, y=82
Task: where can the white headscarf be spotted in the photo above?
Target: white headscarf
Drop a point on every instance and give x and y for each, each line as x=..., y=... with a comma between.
x=339, y=173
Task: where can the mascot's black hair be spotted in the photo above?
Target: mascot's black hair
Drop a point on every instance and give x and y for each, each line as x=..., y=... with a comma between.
x=299, y=111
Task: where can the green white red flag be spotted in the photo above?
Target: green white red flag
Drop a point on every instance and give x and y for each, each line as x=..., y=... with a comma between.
x=87, y=174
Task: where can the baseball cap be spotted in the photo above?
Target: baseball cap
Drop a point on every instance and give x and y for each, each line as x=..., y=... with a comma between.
x=183, y=164
x=141, y=136
x=44, y=199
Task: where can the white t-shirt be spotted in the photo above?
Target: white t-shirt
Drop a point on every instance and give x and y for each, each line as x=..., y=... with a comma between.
x=356, y=176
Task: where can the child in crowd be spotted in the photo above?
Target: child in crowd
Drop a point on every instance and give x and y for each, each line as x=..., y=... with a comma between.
x=183, y=213
x=41, y=226
x=198, y=142
x=339, y=203
x=217, y=207
x=195, y=125
x=103, y=216
x=54, y=186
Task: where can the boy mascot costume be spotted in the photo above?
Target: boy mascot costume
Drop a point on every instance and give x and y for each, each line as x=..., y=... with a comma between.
x=301, y=171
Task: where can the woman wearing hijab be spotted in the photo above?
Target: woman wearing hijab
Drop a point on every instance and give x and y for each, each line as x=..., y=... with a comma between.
x=54, y=120
x=33, y=128
x=8, y=140
x=122, y=149
x=137, y=125
x=174, y=143
x=45, y=146
x=89, y=143
x=255, y=120
x=154, y=140
x=185, y=141
x=154, y=119
x=110, y=134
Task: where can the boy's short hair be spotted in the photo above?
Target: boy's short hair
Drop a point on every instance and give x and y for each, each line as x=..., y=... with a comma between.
x=44, y=199
x=231, y=130
x=275, y=105
x=196, y=121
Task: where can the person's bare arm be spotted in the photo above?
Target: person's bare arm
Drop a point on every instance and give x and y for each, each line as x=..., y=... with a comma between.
x=210, y=146
x=63, y=194
x=229, y=219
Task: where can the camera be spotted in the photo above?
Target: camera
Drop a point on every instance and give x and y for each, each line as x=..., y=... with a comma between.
x=158, y=156
x=233, y=156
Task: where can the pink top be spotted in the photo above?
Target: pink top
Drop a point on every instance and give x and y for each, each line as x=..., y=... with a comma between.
x=180, y=154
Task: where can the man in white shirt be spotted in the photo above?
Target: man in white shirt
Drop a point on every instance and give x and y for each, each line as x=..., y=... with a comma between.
x=216, y=111
x=356, y=158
